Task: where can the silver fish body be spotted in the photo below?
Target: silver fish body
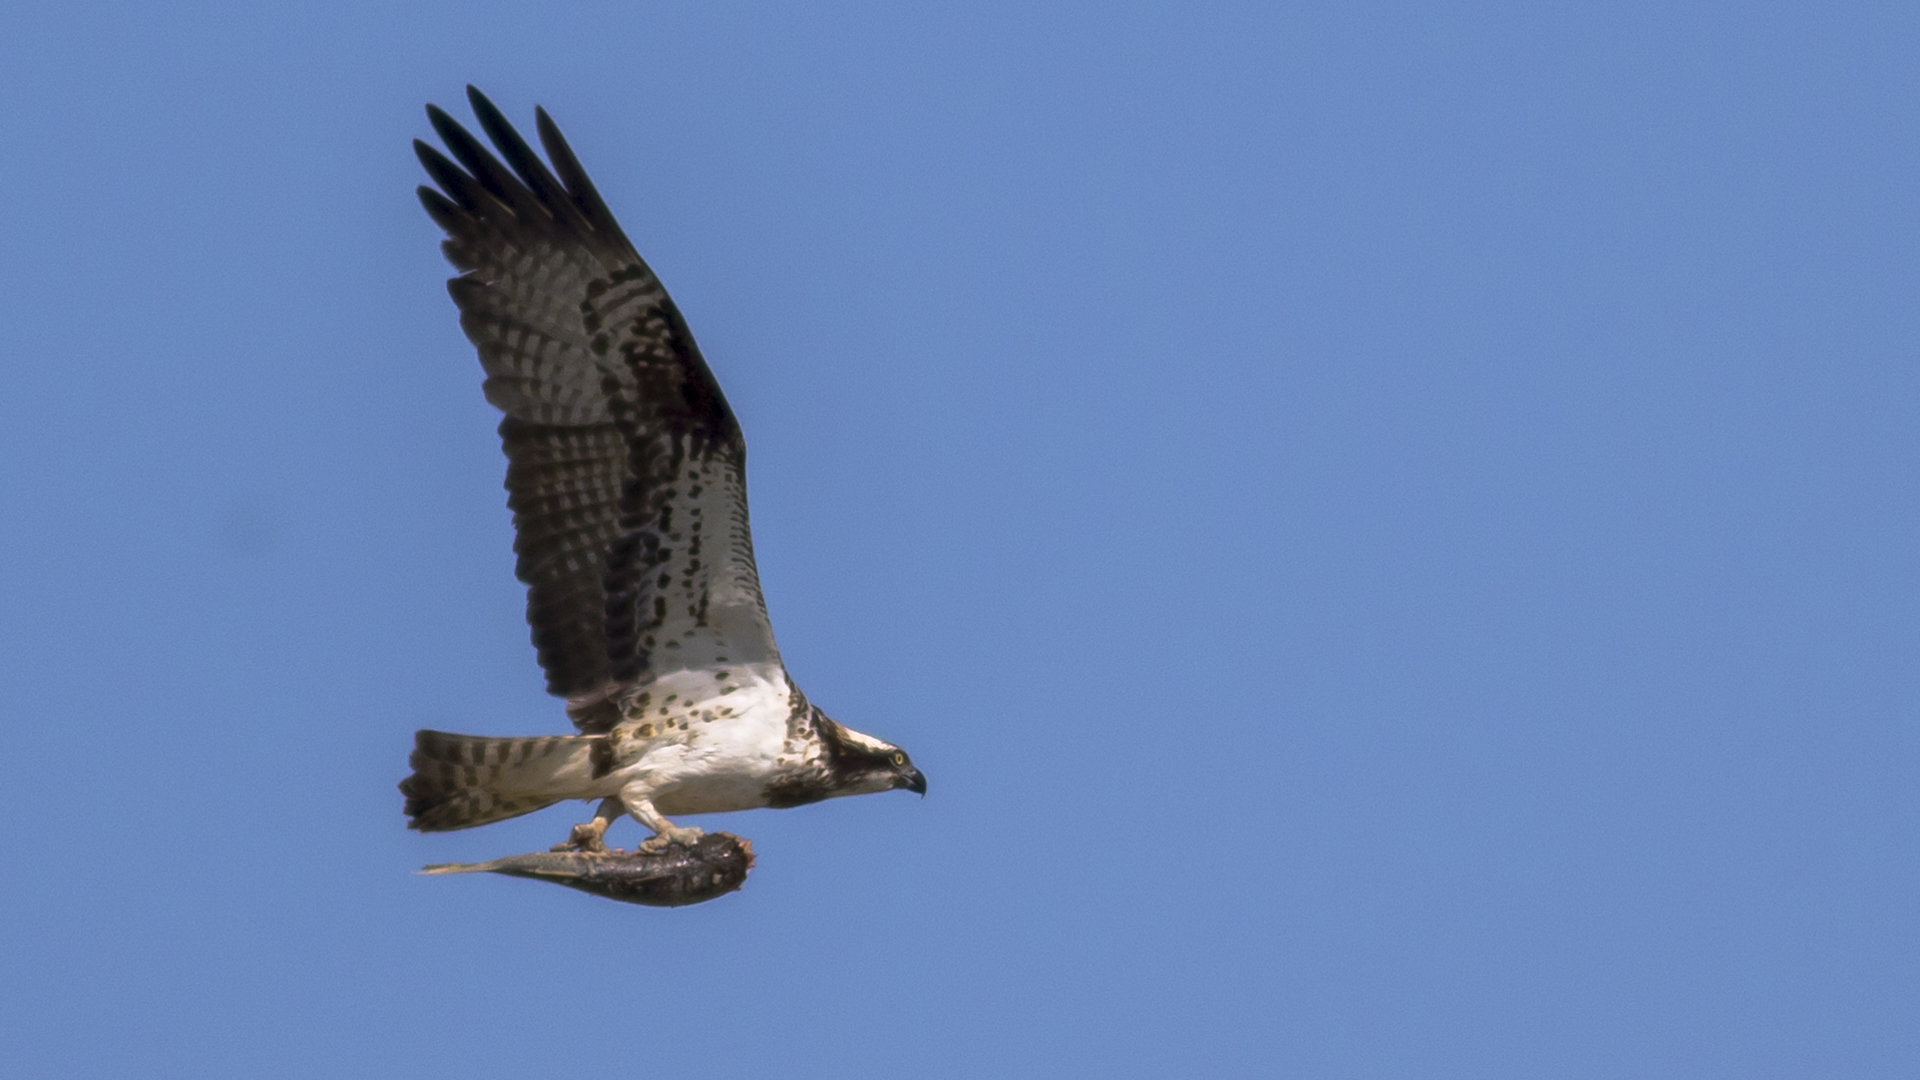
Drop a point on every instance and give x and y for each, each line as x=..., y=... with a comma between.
x=712, y=866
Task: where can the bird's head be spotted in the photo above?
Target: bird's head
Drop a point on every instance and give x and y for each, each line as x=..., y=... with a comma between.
x=863, y=764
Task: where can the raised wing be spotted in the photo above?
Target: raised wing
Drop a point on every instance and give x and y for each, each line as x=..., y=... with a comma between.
x=626, y=471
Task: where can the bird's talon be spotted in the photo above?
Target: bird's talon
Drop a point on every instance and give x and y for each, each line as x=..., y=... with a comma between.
x=673, y=834
x=585, y=838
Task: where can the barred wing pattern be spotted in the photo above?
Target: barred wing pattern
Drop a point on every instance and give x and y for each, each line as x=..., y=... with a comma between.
x=625, y=467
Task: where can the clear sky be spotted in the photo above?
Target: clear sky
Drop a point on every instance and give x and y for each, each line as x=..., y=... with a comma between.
x=1391, y=529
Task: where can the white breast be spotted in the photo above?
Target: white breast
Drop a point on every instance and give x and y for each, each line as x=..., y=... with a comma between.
x=713, y=751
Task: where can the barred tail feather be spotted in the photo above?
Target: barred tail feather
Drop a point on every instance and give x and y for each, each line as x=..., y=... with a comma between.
x=460, y=781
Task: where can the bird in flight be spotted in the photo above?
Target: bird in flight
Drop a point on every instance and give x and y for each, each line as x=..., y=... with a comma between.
x=626, y=476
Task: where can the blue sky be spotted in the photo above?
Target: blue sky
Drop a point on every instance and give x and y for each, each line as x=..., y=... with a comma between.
x=1390, y=530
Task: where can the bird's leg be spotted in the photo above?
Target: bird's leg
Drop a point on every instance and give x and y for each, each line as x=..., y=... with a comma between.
x=665, y=833
x=591, y=836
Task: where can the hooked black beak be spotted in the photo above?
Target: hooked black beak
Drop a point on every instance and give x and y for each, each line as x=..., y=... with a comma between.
x=912, y=780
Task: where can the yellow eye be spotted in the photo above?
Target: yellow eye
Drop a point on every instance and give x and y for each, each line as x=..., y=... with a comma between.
x=899, y=758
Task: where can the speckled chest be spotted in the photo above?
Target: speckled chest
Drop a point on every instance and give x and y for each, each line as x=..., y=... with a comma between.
x=702, y=753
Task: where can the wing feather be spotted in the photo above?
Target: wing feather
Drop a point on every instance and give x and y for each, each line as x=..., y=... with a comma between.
x=625, y=466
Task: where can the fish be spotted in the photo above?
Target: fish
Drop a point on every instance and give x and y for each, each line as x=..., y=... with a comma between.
x=682, y=874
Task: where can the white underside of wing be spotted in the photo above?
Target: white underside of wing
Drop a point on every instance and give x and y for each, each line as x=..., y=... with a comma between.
x=706, y=594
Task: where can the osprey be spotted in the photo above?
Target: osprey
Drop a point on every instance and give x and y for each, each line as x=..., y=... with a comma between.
x=626, y=479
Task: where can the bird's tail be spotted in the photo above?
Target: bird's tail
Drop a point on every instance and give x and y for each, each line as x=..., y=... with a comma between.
x=460, y=781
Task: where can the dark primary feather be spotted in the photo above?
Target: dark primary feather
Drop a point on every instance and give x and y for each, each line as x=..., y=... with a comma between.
x=586, y=198
x=615, y=429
